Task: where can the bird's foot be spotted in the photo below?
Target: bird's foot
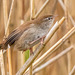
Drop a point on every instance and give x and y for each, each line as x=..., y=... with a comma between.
x=31, y=51
x=42, y=40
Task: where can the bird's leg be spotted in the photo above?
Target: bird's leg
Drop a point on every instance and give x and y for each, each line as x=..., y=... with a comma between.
x=31, y=51
x=34, y=41
x=42, y=40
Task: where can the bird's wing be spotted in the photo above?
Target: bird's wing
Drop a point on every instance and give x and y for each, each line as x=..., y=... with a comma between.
x=16, y=34
x=13, y=37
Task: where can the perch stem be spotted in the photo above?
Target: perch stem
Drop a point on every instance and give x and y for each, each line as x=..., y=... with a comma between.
x=2, y=63
x=54, y=48
x=72, y=71
x=52, y=60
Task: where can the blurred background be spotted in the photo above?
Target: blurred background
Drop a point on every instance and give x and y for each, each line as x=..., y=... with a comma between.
x=20, y=13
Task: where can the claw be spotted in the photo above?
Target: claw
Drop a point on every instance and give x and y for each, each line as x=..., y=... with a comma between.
x=31, y=51
x=42, y=40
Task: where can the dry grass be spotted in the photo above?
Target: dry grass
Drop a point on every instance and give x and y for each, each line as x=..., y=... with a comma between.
x=60, y=37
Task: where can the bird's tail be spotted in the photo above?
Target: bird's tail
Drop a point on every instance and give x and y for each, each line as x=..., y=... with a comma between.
x=2, y=46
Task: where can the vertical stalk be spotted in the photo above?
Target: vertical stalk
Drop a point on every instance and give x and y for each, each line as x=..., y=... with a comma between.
x=41, y=9
x=32, y=14
x=2, y=63
x=9, y=61
x=67, y=27
x=7, y=33
x=31, y=18
x=6, y=22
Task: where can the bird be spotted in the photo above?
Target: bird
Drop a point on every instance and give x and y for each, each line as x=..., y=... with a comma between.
x=29, y=34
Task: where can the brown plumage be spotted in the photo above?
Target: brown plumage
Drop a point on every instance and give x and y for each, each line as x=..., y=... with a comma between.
x=25, y=34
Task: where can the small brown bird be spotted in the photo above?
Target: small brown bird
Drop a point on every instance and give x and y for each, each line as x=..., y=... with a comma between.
x=29, y=34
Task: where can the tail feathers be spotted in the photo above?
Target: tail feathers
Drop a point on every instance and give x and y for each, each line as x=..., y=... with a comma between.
x=2, y=46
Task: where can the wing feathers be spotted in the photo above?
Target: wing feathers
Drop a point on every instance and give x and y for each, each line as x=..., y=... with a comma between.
x=16, y=34
x=13, y=37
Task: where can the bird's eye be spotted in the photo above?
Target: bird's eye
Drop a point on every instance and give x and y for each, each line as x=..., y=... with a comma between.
x=49, y=18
